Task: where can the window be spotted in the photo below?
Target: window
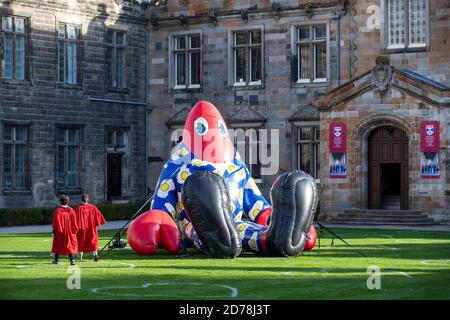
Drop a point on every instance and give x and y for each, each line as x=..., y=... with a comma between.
x=15, y=157
x=311, y=53
x=246, y=141
x=115, y=138
x=307, y=143
x=247, y=58
x=252, y=158
x=115, y=58
x=14, y=50
x=68, y=157
x=406, y=26
x=68, y=37
x=187, y=61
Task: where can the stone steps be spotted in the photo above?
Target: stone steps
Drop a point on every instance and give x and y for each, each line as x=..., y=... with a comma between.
x=374, y=223
x=377, y=217
x=384, y=212
x=390, y=202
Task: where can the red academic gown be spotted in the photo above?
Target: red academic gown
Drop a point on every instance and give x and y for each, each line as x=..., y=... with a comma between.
x=66, y=227
x=89, y=218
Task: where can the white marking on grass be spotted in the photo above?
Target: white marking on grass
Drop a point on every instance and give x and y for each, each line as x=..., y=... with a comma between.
x=293, y=273
x=353, y=236
x=233, y=291
x=405, y=274
x=323, y=270
x=434, y=261
x=21, y=266
x=130, y=265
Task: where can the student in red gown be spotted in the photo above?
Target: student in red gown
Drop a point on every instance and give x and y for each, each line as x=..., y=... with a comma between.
x=89, y=218
x=65, y=229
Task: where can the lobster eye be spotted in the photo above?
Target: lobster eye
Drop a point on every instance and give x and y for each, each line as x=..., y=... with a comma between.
x=200, y=126
x=222, y=128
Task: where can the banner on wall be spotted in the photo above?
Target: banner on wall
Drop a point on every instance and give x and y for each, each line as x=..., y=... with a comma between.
x=338, y=138
x=429, y=136
x=337, y=148
x=429, y=145
x=429, y=165
x=338, y=165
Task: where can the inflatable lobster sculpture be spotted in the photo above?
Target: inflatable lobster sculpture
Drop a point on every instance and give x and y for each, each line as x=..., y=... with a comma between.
x=206, y=199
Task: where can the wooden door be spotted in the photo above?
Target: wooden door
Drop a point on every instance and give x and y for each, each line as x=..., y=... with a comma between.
x=114, y=176
x=387, y=145
x=374, y=171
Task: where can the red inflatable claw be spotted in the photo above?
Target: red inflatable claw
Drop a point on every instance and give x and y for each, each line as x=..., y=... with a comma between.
x=311, y=239
x=151, y=230
x=263, y=217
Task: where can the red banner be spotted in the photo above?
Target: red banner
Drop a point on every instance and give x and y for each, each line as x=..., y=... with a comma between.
x=429, y=136
x=338, y=138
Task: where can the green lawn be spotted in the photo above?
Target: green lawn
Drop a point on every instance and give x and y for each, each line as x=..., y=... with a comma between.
x=414, y=265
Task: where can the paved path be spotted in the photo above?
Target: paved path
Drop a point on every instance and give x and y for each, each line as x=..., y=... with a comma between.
x=119, y=223
x=48, y=228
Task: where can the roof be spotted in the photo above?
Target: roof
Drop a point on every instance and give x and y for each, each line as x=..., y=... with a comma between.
x=421, y=77
x=380, y=78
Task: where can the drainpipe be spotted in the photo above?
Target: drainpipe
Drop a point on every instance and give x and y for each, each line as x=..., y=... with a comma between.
x=338, y=54
x=146, y=110
x=337, y=17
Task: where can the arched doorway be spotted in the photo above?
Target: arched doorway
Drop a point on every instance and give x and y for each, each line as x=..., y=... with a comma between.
x=388, y=169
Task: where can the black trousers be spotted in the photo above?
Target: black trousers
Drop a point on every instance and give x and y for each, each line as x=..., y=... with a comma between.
x=57, y=257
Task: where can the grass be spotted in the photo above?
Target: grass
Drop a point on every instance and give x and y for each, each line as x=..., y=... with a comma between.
x=414, y=265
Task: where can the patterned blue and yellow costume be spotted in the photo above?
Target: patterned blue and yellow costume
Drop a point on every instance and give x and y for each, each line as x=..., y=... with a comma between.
x=246, y=201
x=206, y=199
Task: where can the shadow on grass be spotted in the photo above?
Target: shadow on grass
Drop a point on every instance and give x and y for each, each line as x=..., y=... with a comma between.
x=401, y=250
x=416, y=250
x=217, y=286
x=395, y=251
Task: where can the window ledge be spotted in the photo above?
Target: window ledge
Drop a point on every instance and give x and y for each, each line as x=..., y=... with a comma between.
x=63, y=85
x=17, y=82
x=314, y=83
x=178, y=89
x=69, y=191
x=249, y=86
x=118, y=90
x=18, y=192
x=405, y=50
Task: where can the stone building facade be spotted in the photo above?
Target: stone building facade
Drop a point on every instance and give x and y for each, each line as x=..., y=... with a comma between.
x=384, y=146
x=276, y=98
x=416, y=90
x=72, y=101
x=313, y=62
x=296, y=68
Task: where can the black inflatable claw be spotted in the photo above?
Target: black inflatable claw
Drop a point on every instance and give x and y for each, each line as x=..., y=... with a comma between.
x=206, y=200
x=294, y=199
